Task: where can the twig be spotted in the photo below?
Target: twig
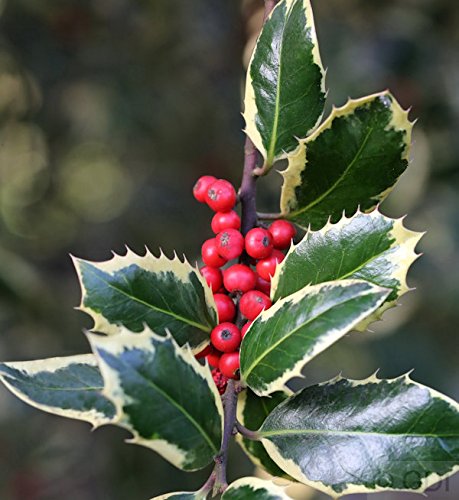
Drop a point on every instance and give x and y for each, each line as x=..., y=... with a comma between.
x=265, y=216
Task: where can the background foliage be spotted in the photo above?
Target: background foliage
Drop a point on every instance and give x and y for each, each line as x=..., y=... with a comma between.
x=109, y=110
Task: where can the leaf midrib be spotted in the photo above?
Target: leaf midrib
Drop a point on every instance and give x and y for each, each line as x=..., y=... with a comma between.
x=287, y=432
x=147, y=304
x=273, y=142
x=337, y=182
x=310, y=320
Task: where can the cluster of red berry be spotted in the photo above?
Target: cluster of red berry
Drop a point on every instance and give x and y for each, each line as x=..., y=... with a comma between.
x=238, y=282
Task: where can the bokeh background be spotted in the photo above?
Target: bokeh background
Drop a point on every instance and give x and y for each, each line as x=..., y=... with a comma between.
x=109, y=110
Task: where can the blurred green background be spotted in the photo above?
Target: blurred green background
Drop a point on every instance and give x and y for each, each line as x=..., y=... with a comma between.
x=109, y=110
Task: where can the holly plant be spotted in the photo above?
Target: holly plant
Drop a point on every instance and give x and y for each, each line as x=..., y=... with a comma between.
x=185, y=358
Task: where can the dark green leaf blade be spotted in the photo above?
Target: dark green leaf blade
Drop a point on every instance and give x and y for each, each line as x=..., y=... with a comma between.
x=285, y=92
x=132, y=290
x=352, y=160
x=370, y=247
x=253, y=488
x=299, y=327
x=348, y=436
x=252, y=411
x=69, y=387
x=163, y=396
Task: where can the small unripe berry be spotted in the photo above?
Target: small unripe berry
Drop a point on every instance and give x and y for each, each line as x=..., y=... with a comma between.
x=201, y=187
x=239, y=278
x=267, y=267
x=221, y=196
x=245, y=328
x=213, y=277
x=230, y=243
x=259, y=243
x=229, y=365
x=213, y=358
x=225, y=220
x=202, y=354
x=220, y=380
x=210, y=255
x=226, y=337
x=252, y=303
x=282, y=232
x=263, y=285
x=225, y=308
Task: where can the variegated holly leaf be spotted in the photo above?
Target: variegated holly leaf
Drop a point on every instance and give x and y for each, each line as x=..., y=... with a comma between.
x=163, y=396
x=133, y=291
x=347, y=436
x=182, y=495
x=69, y=387
x=253, y=488
x=252, y=411
x=352, y=160
x=370, y=247
x=299, y=327
x=285, y=90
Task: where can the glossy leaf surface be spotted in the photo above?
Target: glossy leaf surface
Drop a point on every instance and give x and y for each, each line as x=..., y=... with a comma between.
x=163, y=396
x=69, y=387
x=133, y=291
x=253, y=488
x=370, y=247
x=347, y=436
x=252, y=412
x=285, y=92
x=352, y=160
x=299, y=327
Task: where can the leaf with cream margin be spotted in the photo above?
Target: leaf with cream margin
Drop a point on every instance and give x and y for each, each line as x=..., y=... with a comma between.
x=365, y=436
x=254, y=488
x=297, y=328
x=133, y=291
x=163, y=396
x=69, y=387
x=370, y=247
x=285, y=89
x=352, y=160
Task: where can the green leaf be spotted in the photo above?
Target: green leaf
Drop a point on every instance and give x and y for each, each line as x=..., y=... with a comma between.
x=370, y=247
x=347, y=436
x=285, y=90
x=132, y=290
x=299, y=327
x=163, y=396
x=181, y=495
x=253, y=488
x=69, y=387
x=252, y=411
x=352, y=160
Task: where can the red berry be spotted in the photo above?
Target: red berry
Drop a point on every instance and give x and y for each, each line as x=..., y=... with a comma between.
x=230, y=243
x=226, y=337
x=213, y=277
x=225, y=307
x=213, y=358
x=210, y=255
x=253, y=302
x=282, y=232
x=263, y=285
x=225, y=220
x=259, y=243
x=207, y=350
x=220, y=380
x=245, y=328
x=239, y=278
x=201, y=187
x=221, y=196
x=229, y=364
x=267, y=267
